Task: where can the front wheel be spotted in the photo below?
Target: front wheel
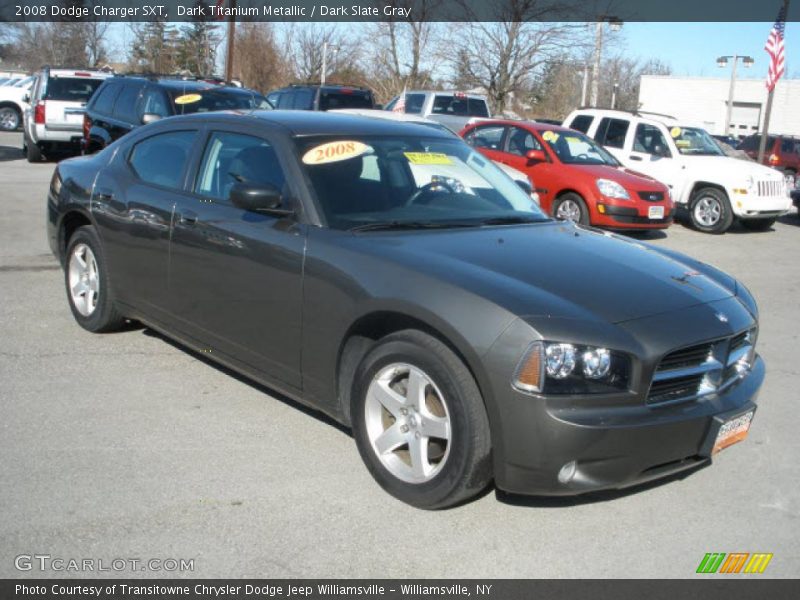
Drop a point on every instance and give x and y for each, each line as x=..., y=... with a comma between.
x=571, y=207
x=420, y=423
x=9, y=118
x=88, y=289
x=710, y=211
x=758, y=224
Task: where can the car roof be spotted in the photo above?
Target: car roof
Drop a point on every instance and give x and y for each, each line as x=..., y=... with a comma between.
x=302, y=123
x=184, y=84
x=534, y=125
x=79, y=73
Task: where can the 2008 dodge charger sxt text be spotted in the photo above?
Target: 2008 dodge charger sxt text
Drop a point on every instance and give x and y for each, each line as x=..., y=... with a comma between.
x=390, y=276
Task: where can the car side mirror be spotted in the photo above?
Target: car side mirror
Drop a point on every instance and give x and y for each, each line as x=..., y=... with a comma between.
x=659, y=150
x=150, y=118
x=258, y=197
x=26, y=98
x=526, y=187
x=535, y=156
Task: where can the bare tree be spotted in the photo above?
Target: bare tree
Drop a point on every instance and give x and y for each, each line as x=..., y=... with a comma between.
x=502, y=56
x=308, y=43
x=260, y=64
x=96, y=43
x=37, y=44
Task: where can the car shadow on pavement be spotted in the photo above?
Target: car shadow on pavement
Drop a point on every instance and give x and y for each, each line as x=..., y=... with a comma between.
x=645, y=235
x=253, y=384
x=790, y=219
x=593, y=497
x=10, y=153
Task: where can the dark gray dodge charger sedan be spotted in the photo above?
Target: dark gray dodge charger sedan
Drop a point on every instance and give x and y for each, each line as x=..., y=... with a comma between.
x=388, y=275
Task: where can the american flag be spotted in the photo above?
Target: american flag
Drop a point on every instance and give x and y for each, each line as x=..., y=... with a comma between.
x=400, y=105
x=774, y=48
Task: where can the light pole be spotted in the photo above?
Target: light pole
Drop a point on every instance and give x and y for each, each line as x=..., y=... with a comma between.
x=585, y=86
x=324, y=69
x=616, y=24
x=614, y=96
x=722, y=62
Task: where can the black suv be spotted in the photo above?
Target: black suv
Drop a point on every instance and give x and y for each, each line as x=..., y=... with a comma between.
x=321, y=97
x=123, y=103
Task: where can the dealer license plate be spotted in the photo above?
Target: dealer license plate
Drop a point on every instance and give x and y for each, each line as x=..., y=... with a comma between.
x=732, y=431
x=655, y=212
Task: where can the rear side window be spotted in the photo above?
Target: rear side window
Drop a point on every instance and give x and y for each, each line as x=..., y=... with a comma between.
x=161, y=159
x=750, y=143
x=104, y=101
x=582, y=123
x=612, y=132
x=414, y=103
x=125, y=108
x=489, y=137
x=477, y=108
x=787, y=146
x=71, y=89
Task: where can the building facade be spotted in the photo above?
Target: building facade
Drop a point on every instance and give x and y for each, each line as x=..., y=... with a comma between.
x=703, y=101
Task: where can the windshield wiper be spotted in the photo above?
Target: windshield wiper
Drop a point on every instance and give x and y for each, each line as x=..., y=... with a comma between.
x=510, y=220
x=386, y=225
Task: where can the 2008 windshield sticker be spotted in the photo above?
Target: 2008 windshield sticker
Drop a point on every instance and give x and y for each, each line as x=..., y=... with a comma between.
x=188, y=99
x=428, y=158
x=334, y=152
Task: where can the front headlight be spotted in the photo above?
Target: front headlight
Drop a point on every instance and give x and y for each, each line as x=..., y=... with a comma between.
x=558, y=368
x=750, y=183
x=611, y=189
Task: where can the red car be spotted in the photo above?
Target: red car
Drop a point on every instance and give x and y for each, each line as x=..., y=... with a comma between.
x=575, y=177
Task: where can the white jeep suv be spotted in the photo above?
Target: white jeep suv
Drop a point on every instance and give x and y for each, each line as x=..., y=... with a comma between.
x=714, y=188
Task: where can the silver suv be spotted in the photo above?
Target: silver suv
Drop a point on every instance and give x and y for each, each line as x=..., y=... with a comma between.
x=53, y=120
x=454, y=110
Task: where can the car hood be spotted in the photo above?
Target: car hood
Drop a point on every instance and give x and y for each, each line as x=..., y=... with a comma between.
x=552, y=269
x=729, y=167
x=625, y=177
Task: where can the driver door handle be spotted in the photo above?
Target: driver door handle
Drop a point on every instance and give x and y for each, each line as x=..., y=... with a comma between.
x=635, y=157
x=187, y=217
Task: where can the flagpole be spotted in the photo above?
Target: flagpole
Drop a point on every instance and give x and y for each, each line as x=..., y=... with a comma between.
x=762, y=145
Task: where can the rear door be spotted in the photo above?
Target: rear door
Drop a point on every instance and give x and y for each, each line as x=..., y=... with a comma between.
x=611, y=133
x=235, y=275
x=66, y=97
x=489, y=140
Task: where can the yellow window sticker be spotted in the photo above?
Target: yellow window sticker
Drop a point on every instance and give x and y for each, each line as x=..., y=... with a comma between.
x=428, y=158
x=675, y=132
x=572, y=139
x=334, y=152
x=188, y=99
x=549, y=136
x=683, y=143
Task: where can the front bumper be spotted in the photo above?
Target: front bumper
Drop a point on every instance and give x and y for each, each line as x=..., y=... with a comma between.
x=615, y=214
x=750, y=206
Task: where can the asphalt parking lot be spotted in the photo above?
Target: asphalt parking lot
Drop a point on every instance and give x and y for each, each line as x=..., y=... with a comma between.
x=128, y=446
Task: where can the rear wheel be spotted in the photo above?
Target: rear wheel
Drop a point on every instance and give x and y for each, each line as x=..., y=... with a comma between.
x=758, y=224
x=710, y=211
x=88, y=289
x=9, y=118
x=571, y=207
x=32, y=152
x=419, y=422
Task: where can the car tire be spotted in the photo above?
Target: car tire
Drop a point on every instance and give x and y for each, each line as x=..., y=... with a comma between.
x=32, y=152
x=571, y=207
x=425, y=471
x=710, y=211
x=10, y=118
x=758, y=224
x=86, y=278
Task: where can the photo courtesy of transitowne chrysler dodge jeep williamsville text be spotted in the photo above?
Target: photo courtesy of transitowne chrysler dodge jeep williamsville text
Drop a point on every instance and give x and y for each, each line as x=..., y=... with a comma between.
x=389, y=275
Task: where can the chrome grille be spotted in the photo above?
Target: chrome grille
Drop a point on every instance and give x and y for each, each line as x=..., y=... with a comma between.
x=695, y=371
x=770, y=188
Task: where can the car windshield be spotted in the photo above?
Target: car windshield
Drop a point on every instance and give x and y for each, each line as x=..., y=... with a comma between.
x=212, y=99
x=574, y=148
x=693, y=140
x=410, y=182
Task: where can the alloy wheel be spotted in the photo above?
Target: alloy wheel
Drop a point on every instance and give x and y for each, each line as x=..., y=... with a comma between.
x=84, y=279
x=569, y=210
x=708, y=211
x=9, y=119
x=408, y=423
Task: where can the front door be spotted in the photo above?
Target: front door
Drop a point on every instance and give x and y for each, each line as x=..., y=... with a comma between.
x=236, y=276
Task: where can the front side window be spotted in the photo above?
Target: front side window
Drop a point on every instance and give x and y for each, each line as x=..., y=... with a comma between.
x=574, y=148
x=381, y=181
x=303, y=100
x=232, y=158
x=155, y=103
x=694, y=141
x=650, y=140
x=490, y=137
x=161, y=159
x=521, y=141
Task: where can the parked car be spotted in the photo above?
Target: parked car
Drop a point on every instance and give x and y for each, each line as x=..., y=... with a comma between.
x=122, y=104
x=782, y=152
x=428, y=303
x=522, y=179
x=53, y=120
x=13, y=105
x=576, y=179
x=714, y=188
x=454, y=110
x=727, y=139
x=317, y=97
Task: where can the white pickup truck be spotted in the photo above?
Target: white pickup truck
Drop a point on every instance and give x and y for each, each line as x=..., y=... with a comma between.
x=454, y=110
x=716, y=189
